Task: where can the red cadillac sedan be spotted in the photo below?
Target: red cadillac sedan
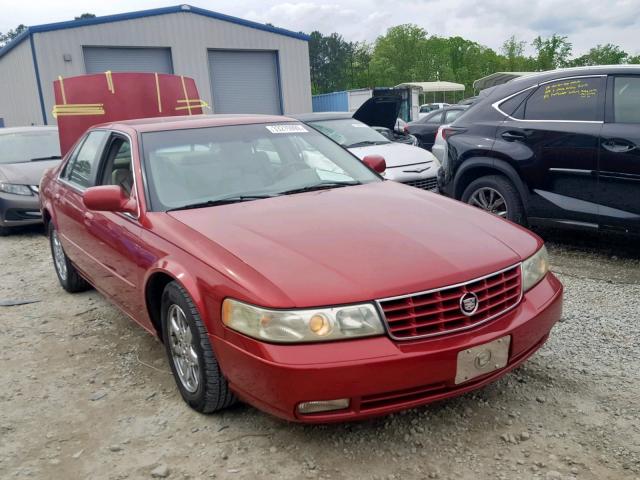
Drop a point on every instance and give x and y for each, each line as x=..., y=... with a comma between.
x=279, y=269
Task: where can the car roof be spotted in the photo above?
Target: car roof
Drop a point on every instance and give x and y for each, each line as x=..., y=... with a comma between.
x=574, y=71
x=446, y=109
x=318, y=116
x=154, y=124
x=5, y=131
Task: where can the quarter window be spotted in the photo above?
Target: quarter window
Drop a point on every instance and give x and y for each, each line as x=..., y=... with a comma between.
x=626, y=100
x=83, y=169
x=571, y=99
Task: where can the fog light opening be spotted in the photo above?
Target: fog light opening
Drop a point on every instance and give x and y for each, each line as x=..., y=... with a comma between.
x=323, y=405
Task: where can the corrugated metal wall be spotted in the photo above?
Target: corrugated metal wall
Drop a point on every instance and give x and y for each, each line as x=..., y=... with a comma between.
x=189, y=36
x=153, y=60
x=245, y=82
x=19, y=102
x=331, y=102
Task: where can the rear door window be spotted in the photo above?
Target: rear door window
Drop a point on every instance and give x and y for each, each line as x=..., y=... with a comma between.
x=626, y=100
x=570, y=99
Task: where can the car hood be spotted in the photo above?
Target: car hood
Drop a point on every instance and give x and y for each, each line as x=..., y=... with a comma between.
x=395, y=154
x=379, y=111
x=357, y=243
x=26, y=173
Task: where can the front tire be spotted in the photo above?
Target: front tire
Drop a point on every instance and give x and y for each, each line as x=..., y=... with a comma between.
x=497, y=195
x=67, y=274
x=194, y=366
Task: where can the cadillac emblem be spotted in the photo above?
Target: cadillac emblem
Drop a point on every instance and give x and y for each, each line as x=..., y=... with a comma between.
x=469, y=303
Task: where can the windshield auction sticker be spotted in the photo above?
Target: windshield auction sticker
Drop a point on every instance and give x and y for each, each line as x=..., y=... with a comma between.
x=286, y=128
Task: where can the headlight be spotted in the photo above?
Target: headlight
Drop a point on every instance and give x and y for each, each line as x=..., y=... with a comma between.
x=535, y=268
x=298, y=326
x=15, y=189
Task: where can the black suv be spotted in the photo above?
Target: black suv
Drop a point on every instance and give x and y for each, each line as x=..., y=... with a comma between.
x=555, y=148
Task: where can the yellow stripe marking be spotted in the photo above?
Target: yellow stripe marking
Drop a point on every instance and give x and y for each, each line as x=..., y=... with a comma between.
x=110, y=86
x=184, y=89
x=64, y=97
x=158, y=93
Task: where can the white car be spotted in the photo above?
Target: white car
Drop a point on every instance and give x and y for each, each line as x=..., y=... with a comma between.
x=430, y=107
x=405, y=163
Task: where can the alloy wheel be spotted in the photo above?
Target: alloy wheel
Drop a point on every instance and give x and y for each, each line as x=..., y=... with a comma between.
x=183, y=353
x=489, y=199
x=58, y=256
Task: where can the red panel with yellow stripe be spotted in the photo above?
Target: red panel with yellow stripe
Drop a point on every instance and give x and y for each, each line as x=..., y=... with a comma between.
x=87, y=100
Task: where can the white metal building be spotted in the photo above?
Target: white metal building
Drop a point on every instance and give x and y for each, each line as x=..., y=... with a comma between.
x=239, y=66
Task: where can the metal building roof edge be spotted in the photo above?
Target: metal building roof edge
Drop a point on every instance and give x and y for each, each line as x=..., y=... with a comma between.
x=48, y=27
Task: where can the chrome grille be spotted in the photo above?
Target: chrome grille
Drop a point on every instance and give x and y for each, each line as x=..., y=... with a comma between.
x=424, y=183
x=438, y=312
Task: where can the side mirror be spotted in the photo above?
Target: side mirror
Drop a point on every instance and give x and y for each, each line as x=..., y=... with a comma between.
x=375, y=163
x=108, y=198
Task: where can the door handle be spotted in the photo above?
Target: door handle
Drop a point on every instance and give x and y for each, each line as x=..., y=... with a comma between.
x=617, y=145
x=512, y=136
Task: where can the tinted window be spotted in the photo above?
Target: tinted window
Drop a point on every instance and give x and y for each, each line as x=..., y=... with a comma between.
x=18, y=147
x=569, y=99
x=514, y=106
x=451, y=115
x=83, y=170
x=626, y=99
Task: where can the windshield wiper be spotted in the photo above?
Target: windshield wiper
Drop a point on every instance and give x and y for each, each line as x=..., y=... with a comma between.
x=40, y=159
x=365, y=143
x=220, y=201
x=320, y=186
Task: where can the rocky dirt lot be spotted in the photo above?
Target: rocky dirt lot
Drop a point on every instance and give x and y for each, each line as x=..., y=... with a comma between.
x=84, y=393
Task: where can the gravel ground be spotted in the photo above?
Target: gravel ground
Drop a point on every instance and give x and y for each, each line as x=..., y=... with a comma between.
x=84, y=393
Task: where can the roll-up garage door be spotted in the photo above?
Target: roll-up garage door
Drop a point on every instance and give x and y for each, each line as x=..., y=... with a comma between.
x=244, y=82
x=101, y=59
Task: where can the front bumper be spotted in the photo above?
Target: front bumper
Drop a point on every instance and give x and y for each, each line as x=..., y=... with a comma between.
x=17, y=210
x=422, y=175
x=378, y=375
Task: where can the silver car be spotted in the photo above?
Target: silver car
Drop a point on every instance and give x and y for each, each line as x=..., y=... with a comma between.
x=405, y=163
x=25, y=153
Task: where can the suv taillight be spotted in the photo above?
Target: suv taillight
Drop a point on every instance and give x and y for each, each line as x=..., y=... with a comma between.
x=447, y=132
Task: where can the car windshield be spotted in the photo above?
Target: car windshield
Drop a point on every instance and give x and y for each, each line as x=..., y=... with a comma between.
x=349, y=133
x=17, y=147
x=194, y=168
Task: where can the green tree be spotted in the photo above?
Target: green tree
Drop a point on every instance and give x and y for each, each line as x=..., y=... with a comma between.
x=329, y=59
x=395, y=53
x=553, y=52
x=515, y=59
x=608, y=54
x=11, y=34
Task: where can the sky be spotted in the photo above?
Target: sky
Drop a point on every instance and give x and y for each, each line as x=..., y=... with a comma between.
x=489, y=22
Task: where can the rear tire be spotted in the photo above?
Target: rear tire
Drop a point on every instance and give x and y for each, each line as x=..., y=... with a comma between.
x=193, y=363
x=4, y=231
x=67, y=274
x=497, y=195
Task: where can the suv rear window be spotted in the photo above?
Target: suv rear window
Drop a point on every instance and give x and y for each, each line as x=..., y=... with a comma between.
x=569, y=99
